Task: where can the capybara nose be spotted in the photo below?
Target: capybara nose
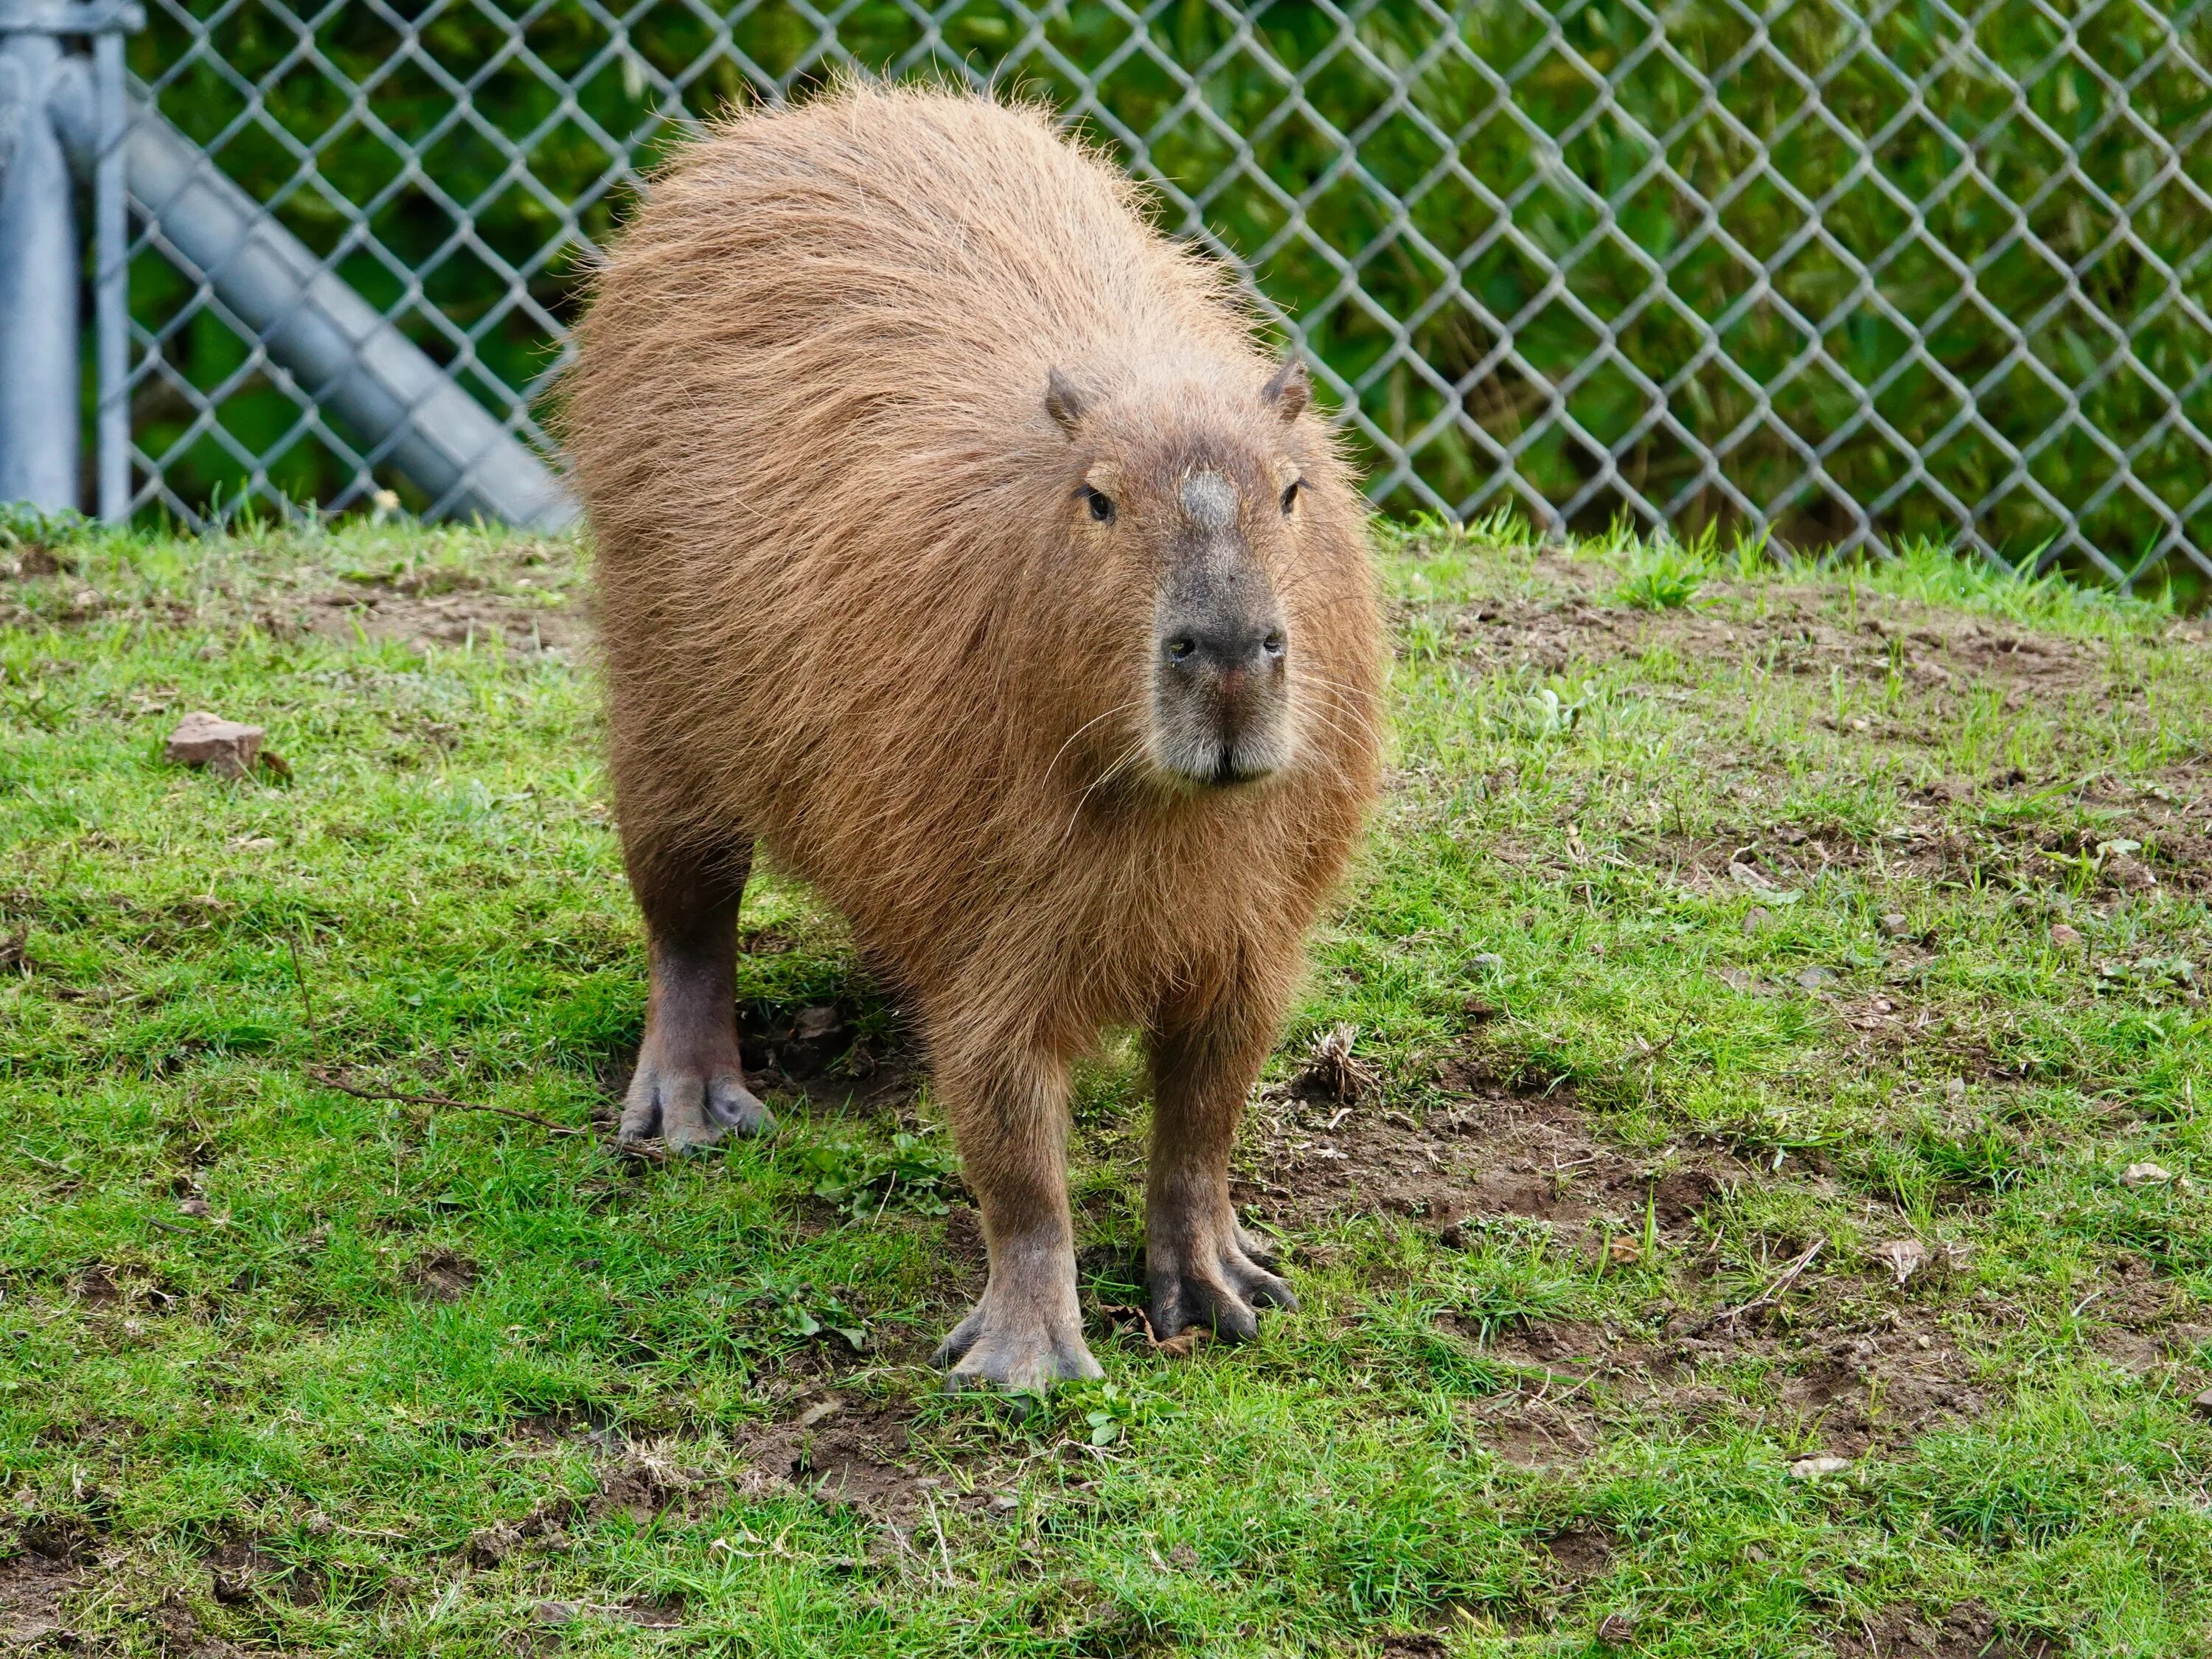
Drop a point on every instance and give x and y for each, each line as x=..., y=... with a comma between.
x=1223, y=650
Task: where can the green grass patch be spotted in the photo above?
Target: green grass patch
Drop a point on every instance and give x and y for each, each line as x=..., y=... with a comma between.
x=1779, y=1037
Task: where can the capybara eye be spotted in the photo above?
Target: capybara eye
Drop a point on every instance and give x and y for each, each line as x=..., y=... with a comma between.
x=1102, y=504
x=1180, y=647
x=1291, y=493
x=1272, y=645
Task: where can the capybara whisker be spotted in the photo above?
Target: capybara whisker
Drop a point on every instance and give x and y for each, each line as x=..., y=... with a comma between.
x=933, y=491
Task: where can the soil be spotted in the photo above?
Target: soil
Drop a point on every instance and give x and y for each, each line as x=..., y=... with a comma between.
x=442, y=1276
x=1969, y=1631
x=444, y=608
x=1797, y=633
x=847, y=1453
x=32, y=1587
x=1844, y=1362
x=1941, y=662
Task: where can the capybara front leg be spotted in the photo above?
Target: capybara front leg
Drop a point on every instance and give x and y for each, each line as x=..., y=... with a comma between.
x=690, y=1087
x=1202, y=1268
x=1011, y=1119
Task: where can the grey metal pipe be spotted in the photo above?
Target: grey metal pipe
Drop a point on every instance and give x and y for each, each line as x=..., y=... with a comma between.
x=37, y=280
x=111, y=280
x=349, y=359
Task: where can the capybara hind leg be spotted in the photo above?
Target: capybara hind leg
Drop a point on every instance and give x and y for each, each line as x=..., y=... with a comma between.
x=690, y=1087
x=1202, y=1268
x=1011, y=1119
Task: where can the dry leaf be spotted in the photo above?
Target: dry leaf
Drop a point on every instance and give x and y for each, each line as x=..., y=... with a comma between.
x=1744, y=875
x=1903, y=1256
x=2145, y=1174
x=1624, y=1252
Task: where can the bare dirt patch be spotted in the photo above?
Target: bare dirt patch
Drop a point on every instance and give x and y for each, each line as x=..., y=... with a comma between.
x=1969, y=1631
x=845, y=1453
x=1796, y=631
x=1490, y=1153
x=32, y=1587
x=1840, y=1361
x=442, y=1276
x=242, y=1571
x=528, y=605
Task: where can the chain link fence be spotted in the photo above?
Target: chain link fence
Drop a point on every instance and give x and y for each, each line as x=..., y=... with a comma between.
x=1846, y=271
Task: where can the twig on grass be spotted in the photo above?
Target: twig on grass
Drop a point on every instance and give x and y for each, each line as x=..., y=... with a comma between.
x=943, y=1554
x=331, y=1079
x=46, y=1162
x=299, y=977
x=1770, y=1295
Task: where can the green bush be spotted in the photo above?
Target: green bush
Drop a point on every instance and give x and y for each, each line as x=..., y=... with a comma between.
x=2006, y=221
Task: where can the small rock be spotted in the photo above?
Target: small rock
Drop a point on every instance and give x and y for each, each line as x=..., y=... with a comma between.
x=2145, y=1174
x=557, y=1613
x=2065, y=937
x=2202, y=1404
x=193, y=1207
x=1004, y=1503
x=1812, y=1468
x=1896, y=924
x=1903, y=1256
x=227, y=748
x=1955, y=1088
x=814, y=1023
x=1755, y=917
x=1815, y=979
x=1615, y=1628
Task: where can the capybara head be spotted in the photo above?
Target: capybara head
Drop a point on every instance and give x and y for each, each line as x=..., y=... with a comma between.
x=1186, y=508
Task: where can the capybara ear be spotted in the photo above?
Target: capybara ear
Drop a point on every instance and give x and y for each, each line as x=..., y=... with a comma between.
x=1289, y=389
x=1062, y=401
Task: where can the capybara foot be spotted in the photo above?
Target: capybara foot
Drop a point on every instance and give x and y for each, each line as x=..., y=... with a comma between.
x=1209, y=1275
x=689, y=1106
x=1022, y=1349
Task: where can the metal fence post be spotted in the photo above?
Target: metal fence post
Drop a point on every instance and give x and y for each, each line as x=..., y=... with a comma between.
x=40, y=261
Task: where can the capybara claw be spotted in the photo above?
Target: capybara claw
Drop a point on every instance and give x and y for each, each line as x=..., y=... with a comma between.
x=733, y=1106
x=1022, y=1368
x=1021, y=1357
x=1218, y=1291
x=688, y=1112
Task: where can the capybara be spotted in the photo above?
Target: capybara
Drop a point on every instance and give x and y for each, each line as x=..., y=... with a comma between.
x=957, y=550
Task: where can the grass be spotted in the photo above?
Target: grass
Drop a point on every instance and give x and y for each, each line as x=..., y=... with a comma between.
x=1715, y=914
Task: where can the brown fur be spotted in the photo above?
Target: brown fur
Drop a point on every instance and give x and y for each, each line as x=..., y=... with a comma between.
x=854, y=609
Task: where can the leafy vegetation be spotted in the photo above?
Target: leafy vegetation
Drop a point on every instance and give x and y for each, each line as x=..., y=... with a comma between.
x=1976, y=219
x=1770, y=1216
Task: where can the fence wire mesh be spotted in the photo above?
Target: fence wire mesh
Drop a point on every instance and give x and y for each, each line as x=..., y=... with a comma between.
x=1847, y=271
